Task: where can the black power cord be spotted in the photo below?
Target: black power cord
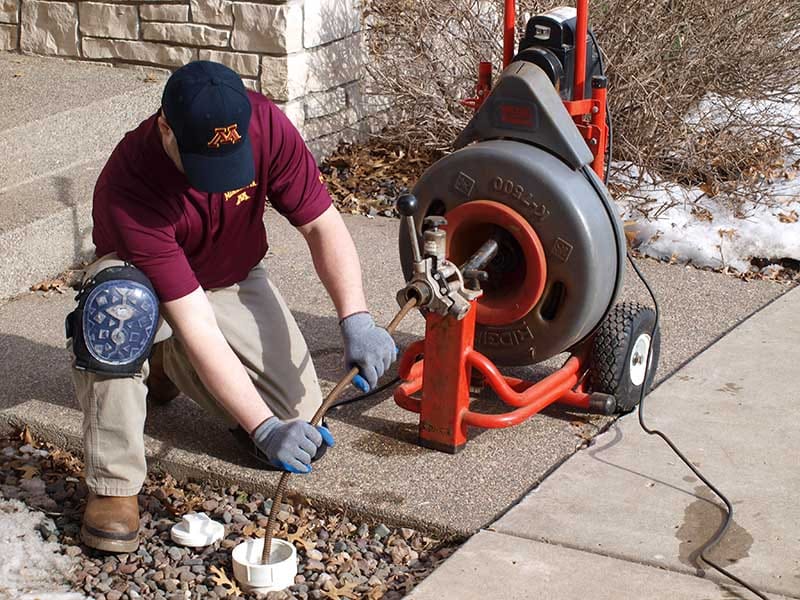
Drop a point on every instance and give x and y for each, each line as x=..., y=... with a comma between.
x=377, y=390
x=609, y=149
x=729, y=507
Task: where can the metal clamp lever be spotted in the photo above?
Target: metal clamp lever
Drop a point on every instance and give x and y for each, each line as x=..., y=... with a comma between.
x=407, y=207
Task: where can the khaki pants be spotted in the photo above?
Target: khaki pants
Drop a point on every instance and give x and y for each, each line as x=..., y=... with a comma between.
x=261, y=331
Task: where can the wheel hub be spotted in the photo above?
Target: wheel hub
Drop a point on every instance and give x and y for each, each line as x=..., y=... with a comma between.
x=638, y=368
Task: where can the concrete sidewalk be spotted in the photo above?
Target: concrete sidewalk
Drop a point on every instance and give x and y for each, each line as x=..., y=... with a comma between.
x=376, y=469
x=625, y=518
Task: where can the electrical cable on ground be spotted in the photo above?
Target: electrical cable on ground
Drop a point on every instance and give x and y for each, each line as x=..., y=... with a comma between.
x=369, y=394
x=729, y=507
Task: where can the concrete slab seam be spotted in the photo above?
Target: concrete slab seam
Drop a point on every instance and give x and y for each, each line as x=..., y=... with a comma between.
x=709, y=574
x=744, y=319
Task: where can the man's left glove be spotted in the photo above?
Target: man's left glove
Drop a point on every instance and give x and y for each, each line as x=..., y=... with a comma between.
x=290, y=445
x=368, y=347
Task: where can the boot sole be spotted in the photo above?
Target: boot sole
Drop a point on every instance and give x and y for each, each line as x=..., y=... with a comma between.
x=108, y=544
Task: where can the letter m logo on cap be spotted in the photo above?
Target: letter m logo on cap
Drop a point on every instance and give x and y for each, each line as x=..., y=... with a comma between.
x=224, y=135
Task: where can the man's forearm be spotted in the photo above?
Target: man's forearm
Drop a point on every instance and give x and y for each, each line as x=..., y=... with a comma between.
x=336, y=261
x=219, y=369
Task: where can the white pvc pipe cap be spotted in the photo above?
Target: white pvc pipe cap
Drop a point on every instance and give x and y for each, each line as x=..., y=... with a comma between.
x=197, y=530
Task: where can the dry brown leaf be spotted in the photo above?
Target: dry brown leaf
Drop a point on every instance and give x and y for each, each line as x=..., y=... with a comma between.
x=711, y=189
x=219, y=577
x=28, y=471
x=297, y=537
x=347, y=590
x=702, y=214
x=726, y=233
x=790, y=217
x=49, y=285
x=27, y=437
x=66, y=461
x=631, y=229
x=376, y=593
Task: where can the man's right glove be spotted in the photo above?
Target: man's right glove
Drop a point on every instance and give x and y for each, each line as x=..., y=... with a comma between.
x=290, y=445
x=368, y=347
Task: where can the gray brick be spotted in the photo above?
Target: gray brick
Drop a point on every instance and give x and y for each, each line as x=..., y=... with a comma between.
x=8, y=37
x=148, y=52
x=212, y=12
x=244, y=64
x=174, y=13
x=268, y=27
x=49, y=28
x=8, y=12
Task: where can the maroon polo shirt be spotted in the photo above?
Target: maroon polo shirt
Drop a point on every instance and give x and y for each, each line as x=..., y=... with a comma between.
x=145, y=210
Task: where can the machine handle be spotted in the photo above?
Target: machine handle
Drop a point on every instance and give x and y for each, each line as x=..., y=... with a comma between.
x=407, y=206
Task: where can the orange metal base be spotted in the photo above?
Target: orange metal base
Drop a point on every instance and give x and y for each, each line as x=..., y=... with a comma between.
x=443, y=378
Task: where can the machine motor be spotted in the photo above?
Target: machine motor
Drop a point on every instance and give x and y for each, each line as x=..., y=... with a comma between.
x=549, y=43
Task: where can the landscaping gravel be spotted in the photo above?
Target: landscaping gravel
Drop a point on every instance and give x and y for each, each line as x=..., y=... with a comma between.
x=339, y=556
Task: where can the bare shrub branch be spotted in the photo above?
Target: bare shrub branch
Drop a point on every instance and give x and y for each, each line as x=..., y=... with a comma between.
x=664, y=58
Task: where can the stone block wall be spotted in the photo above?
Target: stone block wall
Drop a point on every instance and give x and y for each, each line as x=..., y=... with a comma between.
x=307, y=55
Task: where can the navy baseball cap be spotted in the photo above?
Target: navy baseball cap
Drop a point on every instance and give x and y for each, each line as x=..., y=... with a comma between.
x=206, y=106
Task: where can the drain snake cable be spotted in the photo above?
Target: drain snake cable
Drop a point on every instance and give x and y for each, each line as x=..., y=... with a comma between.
x=327, y=403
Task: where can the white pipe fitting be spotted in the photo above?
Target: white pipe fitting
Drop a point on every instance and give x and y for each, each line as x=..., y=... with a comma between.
x=277, y=574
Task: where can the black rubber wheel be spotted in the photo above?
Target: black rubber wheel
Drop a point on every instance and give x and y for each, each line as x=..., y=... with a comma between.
x=619, y=350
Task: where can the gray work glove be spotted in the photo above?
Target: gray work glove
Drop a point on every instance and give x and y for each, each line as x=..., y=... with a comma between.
x=290, y=445
x=368, y=347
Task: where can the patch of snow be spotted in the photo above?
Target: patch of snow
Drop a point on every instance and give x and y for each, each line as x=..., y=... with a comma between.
x=30, y=567
x=682, y=224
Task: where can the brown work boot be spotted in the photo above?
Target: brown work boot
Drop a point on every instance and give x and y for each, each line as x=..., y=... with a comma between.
x=160, y=389
x=111, y=523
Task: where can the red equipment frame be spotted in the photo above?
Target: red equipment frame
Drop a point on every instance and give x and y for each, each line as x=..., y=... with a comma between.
x=445, y=384
x=437, y=370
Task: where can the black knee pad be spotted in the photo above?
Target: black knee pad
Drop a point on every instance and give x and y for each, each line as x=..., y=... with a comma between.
x=113, y=327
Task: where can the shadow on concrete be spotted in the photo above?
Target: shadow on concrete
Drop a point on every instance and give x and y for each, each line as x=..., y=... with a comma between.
x=34, y=371
x=41, y=372
x=65, y=194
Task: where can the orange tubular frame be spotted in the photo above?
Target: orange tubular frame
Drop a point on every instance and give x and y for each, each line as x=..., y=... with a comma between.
x=509, y=31
x=444, y=380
